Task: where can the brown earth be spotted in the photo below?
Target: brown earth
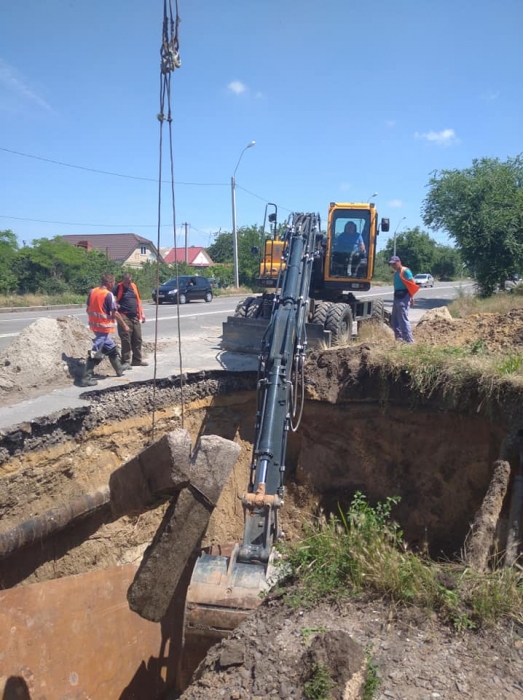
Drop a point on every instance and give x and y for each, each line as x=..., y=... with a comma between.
x=492, y=332
x=439, y=463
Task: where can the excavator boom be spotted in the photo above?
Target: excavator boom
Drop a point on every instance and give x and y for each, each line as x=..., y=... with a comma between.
x=226, y=584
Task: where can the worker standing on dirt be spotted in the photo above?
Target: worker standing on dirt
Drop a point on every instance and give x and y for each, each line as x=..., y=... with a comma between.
x=102, y=314
x=404, y=290
x=130, y=332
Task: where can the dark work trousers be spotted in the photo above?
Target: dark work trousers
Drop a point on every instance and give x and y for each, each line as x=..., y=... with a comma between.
x=131, y=340
x=400, y=319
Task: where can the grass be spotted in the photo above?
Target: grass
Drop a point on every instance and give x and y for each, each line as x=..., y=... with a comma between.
x=467, y=304
x=372, y=679
x=364, y=550
x=320, y=683
x=21, y=301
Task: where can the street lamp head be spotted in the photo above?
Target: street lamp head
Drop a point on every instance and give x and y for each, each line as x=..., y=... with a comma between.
x=252, y=143
x=372, y=196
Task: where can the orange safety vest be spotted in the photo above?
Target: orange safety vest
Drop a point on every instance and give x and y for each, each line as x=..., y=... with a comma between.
x=99, y=321
x=411, y=286
x=119, y=295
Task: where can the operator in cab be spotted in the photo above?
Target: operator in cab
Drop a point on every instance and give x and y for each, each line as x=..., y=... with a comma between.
x=350, y=241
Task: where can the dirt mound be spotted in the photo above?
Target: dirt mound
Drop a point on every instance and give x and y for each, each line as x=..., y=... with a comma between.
x=416, y=656
x=493, y=332
x=47, y=352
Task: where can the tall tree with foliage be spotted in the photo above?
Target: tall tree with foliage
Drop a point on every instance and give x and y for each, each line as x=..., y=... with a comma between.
x=221, y=251
x=8, y=253
x=481, y=208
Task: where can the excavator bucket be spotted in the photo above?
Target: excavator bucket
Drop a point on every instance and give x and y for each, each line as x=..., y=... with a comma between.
x=221, y=594
x=246, y=334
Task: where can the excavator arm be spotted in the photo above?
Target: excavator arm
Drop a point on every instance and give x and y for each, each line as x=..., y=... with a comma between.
x=227, y=582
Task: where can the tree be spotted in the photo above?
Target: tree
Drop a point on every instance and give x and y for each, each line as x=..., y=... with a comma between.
x=8, y=253
x=416, y=249
x=221, y=251
x=481, y=208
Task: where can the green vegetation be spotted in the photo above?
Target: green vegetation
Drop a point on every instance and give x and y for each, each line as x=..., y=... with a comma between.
x=320, y=684
x=481, y=208
x=51, y=271
x=364, y=550
x=421, y=254
x=372, y=680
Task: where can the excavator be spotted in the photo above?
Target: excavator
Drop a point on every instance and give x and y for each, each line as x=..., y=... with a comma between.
x=343, y=267
x=303, y=265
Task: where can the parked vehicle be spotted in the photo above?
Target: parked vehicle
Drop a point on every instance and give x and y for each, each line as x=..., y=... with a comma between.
x=424, y=280
x=186, y=288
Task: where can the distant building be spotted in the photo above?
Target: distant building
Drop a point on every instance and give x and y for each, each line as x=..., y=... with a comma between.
x=196, y=256
x=125, y=248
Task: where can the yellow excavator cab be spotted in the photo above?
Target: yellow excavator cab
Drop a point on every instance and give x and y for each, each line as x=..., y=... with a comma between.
x=271, y=264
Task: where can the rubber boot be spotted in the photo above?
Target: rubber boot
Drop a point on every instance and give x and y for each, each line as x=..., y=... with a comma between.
x=118, y=366
x=87, y=377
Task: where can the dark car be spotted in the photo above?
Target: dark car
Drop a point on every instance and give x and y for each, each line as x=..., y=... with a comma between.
x=185, y=288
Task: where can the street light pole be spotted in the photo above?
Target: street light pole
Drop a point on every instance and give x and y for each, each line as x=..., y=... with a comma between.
x=234, y=231
x=397, y=227
x=372, y=197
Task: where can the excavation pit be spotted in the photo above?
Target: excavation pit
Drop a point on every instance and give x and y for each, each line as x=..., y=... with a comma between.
x=65, y=620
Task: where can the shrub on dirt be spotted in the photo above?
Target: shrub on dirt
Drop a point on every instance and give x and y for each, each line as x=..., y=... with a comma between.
x=364, y=550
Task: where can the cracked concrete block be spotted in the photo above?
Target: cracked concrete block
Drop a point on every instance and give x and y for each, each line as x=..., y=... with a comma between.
x=156, y=473
x=211, y=465
x=182, y=528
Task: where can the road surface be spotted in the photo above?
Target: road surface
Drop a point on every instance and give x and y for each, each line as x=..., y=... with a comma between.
x=198, y=316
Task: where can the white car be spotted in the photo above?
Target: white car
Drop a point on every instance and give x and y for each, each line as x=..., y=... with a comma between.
x=424, y=280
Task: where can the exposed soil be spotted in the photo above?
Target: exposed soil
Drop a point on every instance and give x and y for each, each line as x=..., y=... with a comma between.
x=493, y=332
x=354, y=436
x=48, y=354
x=417, y=658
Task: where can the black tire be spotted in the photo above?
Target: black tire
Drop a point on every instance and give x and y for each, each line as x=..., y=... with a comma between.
x=208, y=296
x=339, y=323
x=243, y=306
x=378, y=311
x=253, y=310
x=321, y=312
x=160, y=301
x=182, y=298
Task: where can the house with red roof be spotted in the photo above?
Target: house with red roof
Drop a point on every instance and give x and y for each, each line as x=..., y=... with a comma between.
x=195, y=256
x=126, y=248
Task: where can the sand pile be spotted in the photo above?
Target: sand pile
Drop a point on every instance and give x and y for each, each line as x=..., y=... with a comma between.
x=48, y=353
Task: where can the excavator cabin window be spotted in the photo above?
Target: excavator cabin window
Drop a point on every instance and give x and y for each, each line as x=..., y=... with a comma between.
x=349, y=244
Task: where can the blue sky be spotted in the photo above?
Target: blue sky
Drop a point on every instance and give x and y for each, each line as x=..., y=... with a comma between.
x=344, y=98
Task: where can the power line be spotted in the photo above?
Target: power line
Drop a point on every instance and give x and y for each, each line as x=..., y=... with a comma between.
x=75, y=223
x=108, y=172
x=253, y=194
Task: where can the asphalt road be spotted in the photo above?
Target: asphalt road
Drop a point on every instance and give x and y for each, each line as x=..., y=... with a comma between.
x=198, y=317
x=201, y=329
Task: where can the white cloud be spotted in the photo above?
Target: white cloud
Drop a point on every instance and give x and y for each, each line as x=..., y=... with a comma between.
x=10, y=80
x=344, y=186
x=390, y=123
x=445, y=137
x=237, y=87
x=395, y=203
x=490, y=95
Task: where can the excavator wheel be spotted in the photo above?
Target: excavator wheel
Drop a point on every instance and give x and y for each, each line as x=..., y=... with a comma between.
x=339, y=323
x=321, y=312
x=243, y=307
x=378, y=311
x=254, y=308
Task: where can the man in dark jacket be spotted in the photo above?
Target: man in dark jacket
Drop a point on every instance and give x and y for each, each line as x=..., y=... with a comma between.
x=130, y=332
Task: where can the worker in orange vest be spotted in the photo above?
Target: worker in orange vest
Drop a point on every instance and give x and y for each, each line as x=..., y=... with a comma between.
x=404, y=290
x=130, y=307
x=102, y=314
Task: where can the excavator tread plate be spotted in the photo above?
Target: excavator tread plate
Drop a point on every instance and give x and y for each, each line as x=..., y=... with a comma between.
x=246, y=334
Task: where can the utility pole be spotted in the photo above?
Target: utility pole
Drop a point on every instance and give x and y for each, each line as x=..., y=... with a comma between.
x=186, y=226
